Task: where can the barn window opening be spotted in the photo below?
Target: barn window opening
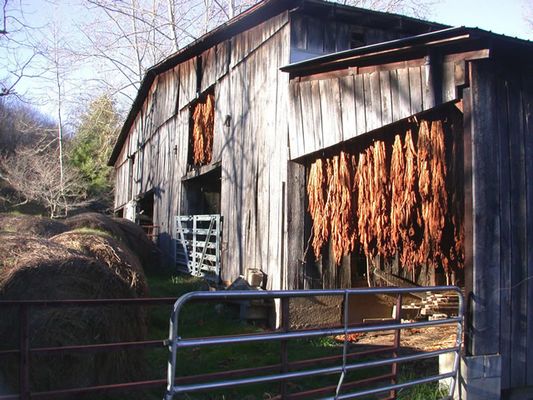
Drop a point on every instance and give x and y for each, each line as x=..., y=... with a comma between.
x=202, y=130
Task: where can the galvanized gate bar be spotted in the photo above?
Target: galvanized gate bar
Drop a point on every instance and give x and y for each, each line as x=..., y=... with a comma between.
x=383, y=389
x=269, y=337
x=198, y=245
x=312, y=372
x=176, y=342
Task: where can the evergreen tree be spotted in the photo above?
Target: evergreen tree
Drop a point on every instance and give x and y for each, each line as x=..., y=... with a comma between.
x=92, y=144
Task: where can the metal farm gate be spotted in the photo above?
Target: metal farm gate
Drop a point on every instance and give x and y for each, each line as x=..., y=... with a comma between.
x=339, y=366
x=198, y=245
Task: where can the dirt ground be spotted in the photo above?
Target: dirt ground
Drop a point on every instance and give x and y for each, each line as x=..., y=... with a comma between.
x=417, y=339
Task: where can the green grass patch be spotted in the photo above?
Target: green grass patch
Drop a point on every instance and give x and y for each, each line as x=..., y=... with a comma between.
x=208, y=319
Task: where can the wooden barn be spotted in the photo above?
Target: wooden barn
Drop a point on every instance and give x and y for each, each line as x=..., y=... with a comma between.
x=330, y=146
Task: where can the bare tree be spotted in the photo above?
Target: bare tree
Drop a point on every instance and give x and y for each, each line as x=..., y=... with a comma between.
x=16, y=50
x=36, y=176
x=29, y=167
x=130, y=36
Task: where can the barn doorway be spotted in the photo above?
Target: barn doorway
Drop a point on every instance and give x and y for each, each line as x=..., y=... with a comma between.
x=145, y=214
x=202, y=193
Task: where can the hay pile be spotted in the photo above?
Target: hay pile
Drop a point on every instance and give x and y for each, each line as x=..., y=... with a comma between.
x=31, y=224
x=126, y=232
x=96, y=221
x=35, y=268
x=135, y=238
x=116, y=256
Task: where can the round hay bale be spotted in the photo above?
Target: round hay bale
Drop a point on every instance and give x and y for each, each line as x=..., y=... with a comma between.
x=33, y=268
x=96, y=221
x=124, y=231
x=31, y=224
x=117, y=256
x=137, y=240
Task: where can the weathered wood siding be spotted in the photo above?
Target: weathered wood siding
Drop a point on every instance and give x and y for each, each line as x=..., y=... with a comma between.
x=332, y=110
x=501, y=160
x=254, y=156
x=250, y=141
x=312, y=36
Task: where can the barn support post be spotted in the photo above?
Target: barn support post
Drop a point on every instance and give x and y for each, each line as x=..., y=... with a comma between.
x=481, y=365
x=295, y=225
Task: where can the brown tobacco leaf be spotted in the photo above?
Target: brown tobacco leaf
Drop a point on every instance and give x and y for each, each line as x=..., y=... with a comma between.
x=410, y=206
x=203, y=131
x=340, y=203
x=397, y=179
x=316, y=193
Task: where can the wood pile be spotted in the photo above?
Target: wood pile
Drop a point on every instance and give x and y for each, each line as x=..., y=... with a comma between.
x=203, y=130
x=393, y=199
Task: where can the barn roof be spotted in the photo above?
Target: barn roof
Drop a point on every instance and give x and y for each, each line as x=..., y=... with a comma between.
x=253, y=16
x=456, y=39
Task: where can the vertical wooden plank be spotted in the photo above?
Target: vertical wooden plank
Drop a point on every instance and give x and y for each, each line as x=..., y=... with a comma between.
x=221, y=112
x=395, y=95
x=317, y=115
x=315, y=35
x=468, y=214
x=518, y=233
x=209, y=68
x=222, y=58
x=386, y=97
x=330, y=105
x=486, y=224
x=505, y=229
x=343, y=37
x=310, y=141
x=448, y=82
x=295, y=223
x=430, y=84
x=360, y=104
x=344, y=273
x=296, y=134
x=282, y=51
x=527, y=101
x=298, y=31
x=372, y=101
x=330, y=35
x=404, y=93
x=415, y=89
x=349, y=125
x=329, y=269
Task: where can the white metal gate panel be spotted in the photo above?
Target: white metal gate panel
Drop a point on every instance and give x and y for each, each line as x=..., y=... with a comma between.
x=198, y=244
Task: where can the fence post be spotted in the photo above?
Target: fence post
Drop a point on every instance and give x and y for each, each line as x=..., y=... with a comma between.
x=397, y=332
x=24, y=346
x=284, y=351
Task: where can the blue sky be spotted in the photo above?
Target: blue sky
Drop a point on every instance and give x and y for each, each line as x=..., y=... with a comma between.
x=500, y=16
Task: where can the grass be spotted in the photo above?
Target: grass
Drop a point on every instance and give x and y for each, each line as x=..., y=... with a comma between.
x=207, y=320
